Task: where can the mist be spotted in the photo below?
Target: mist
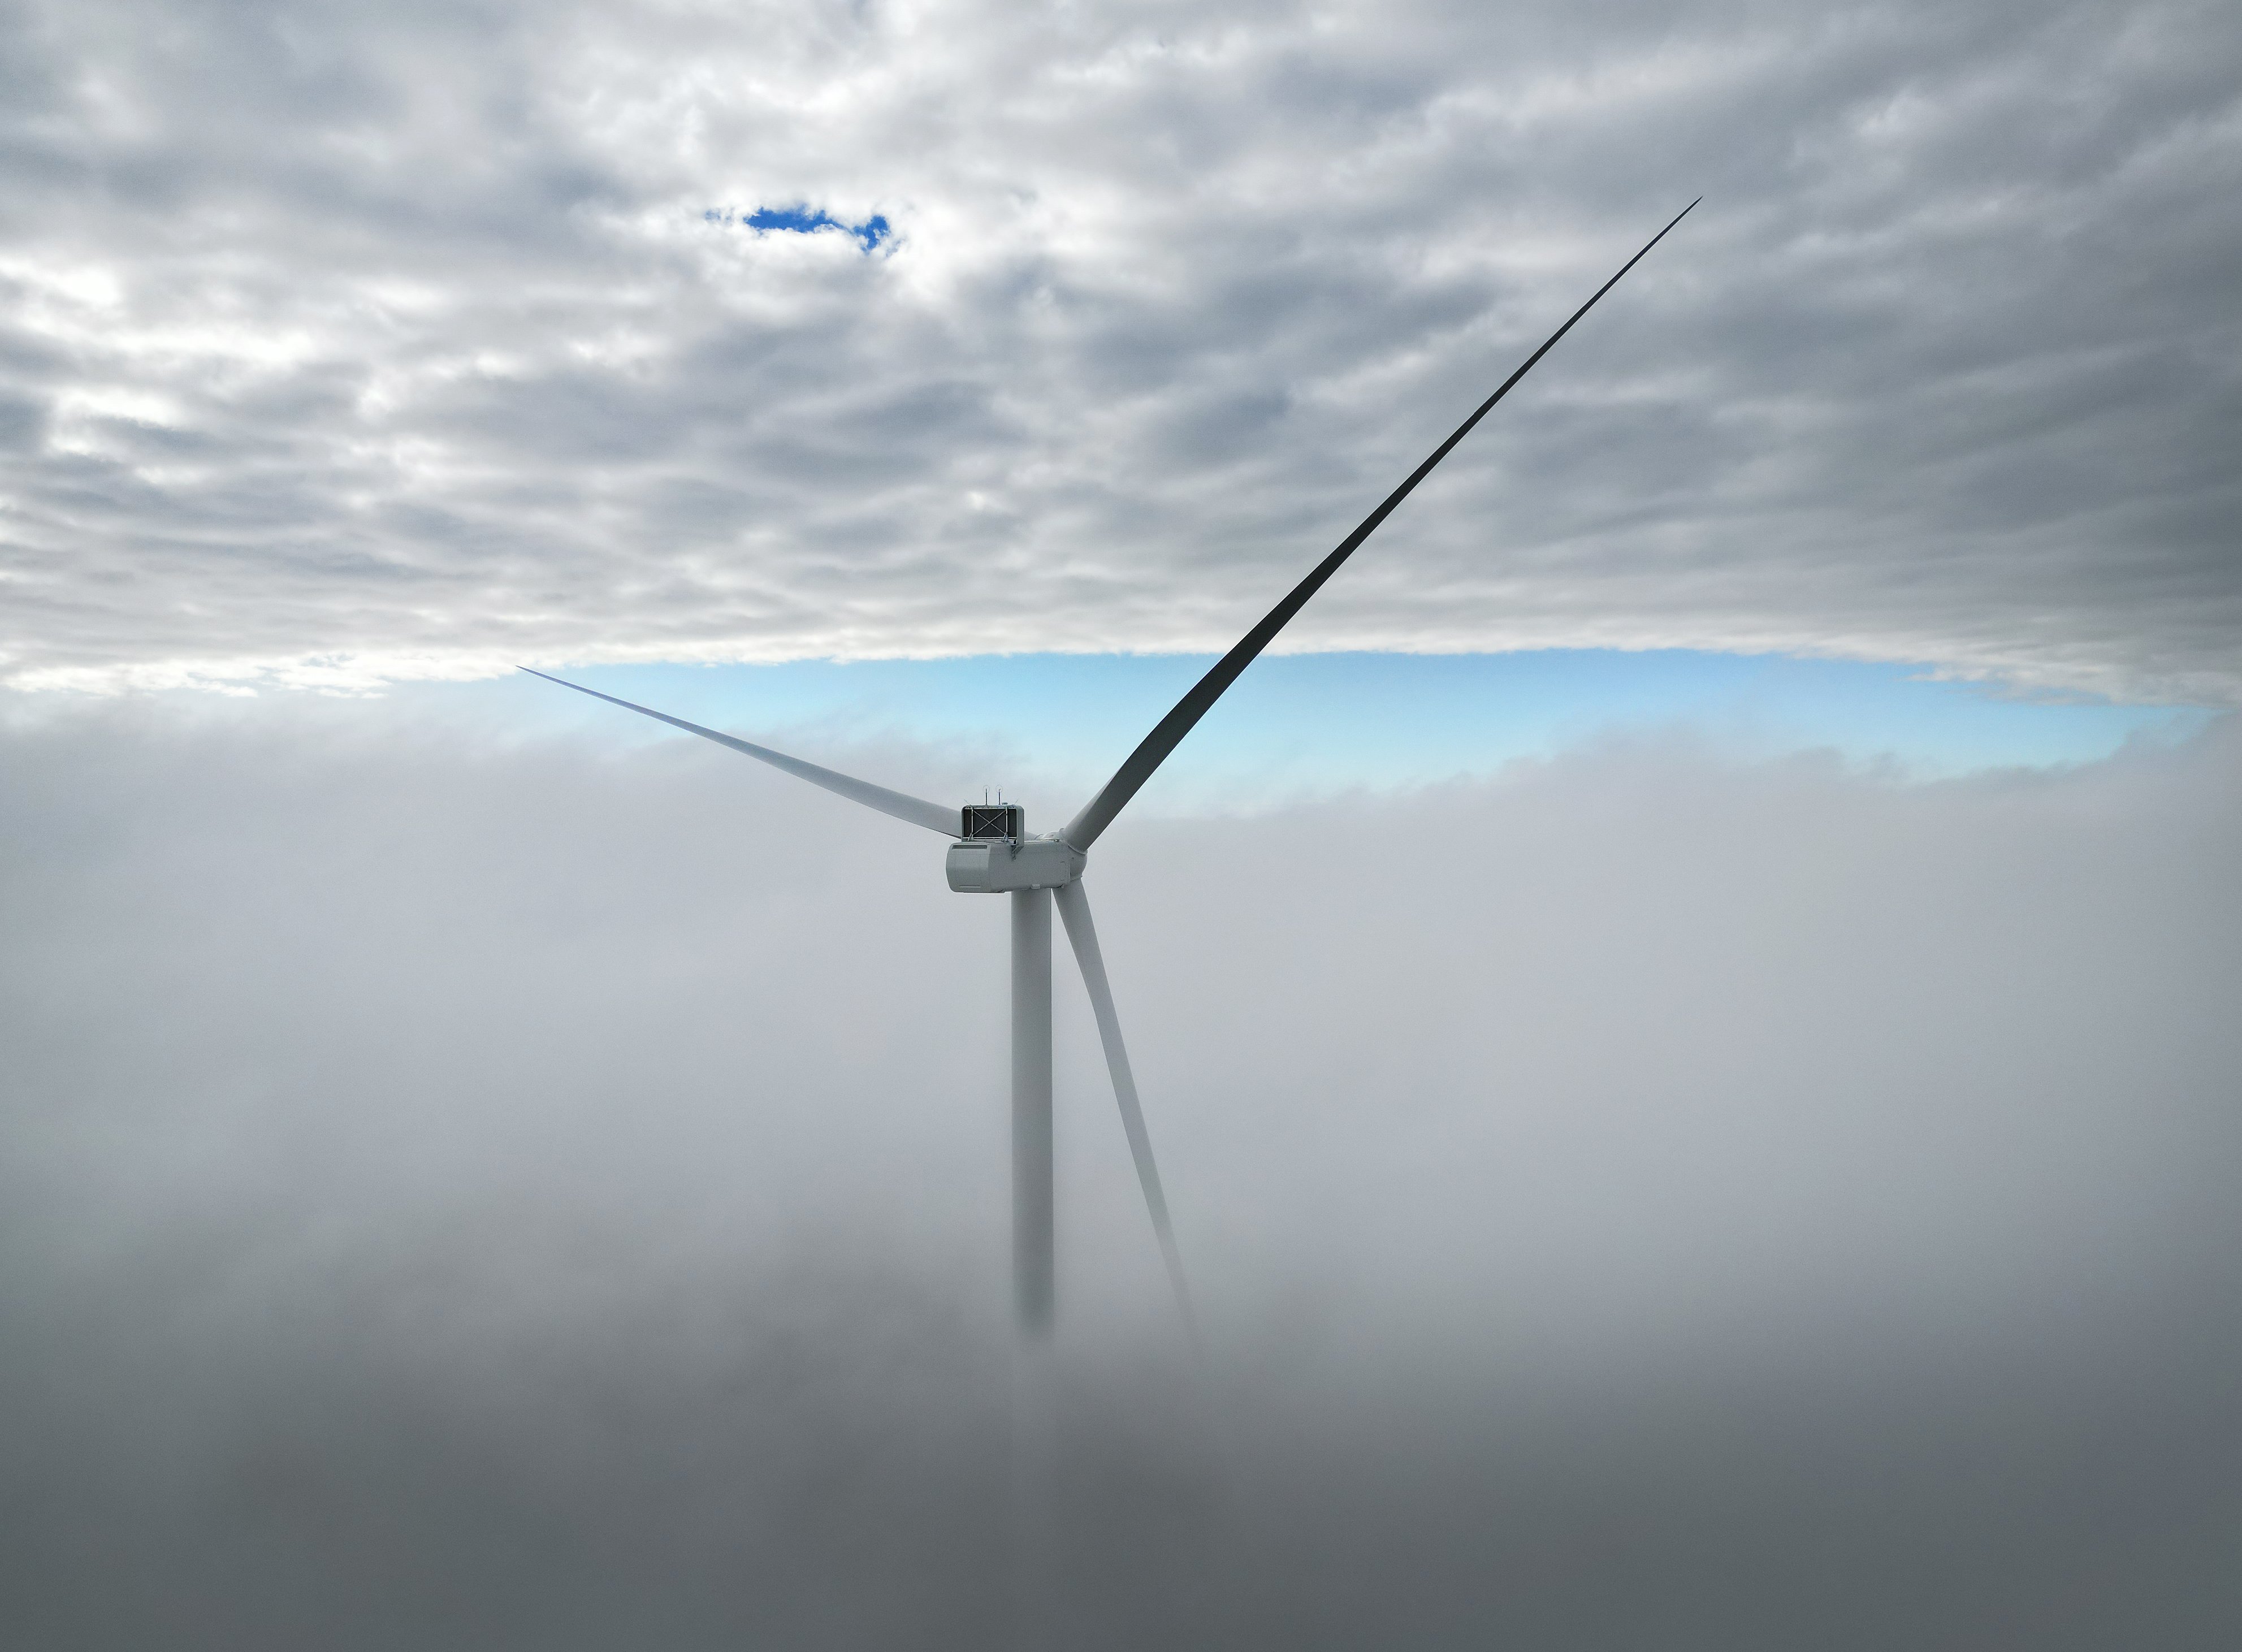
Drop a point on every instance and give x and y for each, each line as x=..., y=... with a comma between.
x=468, y=1192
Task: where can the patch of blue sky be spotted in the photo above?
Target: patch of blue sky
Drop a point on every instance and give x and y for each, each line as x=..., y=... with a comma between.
x=801, y=219
x=1298, y=726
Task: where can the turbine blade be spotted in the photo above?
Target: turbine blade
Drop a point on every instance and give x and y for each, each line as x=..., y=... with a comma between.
x=1098, y=813
x=1082, y=934
x=902, y=805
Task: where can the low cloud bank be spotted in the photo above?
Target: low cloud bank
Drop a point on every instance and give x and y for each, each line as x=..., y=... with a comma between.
x=458, y=1195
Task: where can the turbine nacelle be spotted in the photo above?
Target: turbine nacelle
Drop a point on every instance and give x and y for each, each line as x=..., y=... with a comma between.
x=994, y=855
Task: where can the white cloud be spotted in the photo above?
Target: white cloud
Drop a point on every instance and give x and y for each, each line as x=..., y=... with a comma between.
x=449, y=1181
x=396, y=344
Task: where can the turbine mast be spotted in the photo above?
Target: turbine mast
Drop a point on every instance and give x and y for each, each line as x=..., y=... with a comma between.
x=1033, y=1250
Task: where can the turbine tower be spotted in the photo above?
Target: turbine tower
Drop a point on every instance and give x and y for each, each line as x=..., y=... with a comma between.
x=993, y=853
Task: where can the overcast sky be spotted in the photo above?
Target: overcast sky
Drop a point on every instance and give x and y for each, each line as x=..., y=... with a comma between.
x=346, y=343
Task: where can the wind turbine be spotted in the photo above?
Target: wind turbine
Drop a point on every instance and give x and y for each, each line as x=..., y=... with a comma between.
x=992, y=853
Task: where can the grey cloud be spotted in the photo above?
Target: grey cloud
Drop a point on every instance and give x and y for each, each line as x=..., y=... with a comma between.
x=367, y=345
x=465, y=1193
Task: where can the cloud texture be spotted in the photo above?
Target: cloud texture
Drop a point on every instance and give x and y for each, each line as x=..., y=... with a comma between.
x=346, y=344
x=464, y=1195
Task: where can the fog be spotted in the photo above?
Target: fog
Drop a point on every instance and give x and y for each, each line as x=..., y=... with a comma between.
x=471, y=1194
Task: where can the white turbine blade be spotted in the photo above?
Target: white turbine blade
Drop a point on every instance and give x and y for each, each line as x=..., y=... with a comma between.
x=1074, y=908
x=1098, y=814
x=902, y=805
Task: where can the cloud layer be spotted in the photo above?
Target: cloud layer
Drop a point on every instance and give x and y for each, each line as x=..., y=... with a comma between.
x=344, y=345
x=464, y=1195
